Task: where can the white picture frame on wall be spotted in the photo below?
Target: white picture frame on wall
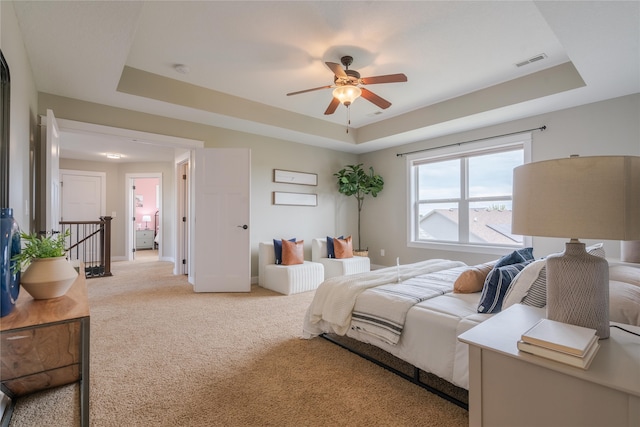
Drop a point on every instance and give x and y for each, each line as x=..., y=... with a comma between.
x=295, y=199
x=293, y=177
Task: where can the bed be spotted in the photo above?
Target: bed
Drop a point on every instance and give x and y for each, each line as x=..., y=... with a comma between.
x=409, y=311
x=413, y=313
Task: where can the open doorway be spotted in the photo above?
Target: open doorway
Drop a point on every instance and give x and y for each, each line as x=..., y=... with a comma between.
x=86, y=141
x=144, y=200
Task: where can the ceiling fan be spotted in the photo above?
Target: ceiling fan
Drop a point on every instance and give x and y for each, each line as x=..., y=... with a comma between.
x=346, y=84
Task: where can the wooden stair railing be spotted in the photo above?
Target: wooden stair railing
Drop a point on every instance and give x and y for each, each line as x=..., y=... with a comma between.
x=90, y=243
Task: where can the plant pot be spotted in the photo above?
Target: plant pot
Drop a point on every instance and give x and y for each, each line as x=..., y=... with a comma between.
x=47, y=278
x=360, y=252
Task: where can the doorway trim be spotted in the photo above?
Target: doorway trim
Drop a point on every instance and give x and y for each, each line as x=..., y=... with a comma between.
x=130, y=209
x=182, y=262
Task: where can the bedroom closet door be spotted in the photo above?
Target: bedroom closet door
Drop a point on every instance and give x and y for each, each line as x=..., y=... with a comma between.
x=222, y=251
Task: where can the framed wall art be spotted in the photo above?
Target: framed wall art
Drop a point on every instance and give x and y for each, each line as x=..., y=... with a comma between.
x=294, y=199
x=293, y=177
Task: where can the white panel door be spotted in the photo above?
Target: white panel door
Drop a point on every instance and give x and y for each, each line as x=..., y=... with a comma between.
x=82, y=195
x=222, y=251
x=51, y=146
x=82, y=198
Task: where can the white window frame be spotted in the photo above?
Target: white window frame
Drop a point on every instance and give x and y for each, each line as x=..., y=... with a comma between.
x=499, y=143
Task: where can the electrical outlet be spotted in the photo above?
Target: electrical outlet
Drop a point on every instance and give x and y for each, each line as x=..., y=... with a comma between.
x=381, y=252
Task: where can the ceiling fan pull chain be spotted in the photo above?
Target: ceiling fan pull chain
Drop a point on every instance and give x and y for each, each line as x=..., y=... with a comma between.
x=348, y=118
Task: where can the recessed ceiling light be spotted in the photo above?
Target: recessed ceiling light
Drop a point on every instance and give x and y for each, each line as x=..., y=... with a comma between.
x=182, y=69
x=113, y=156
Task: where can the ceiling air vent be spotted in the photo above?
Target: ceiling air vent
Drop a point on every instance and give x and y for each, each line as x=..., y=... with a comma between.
x=532, y=60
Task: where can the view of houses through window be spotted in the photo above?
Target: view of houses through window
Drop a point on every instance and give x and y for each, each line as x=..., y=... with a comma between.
x=465, y=197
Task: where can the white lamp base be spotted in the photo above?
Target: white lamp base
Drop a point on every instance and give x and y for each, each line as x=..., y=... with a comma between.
x=578, y=288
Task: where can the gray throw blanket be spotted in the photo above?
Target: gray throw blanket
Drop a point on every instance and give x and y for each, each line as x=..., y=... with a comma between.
x=382, y=311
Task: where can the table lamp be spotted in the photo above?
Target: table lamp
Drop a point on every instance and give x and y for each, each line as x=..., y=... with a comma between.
x=578, y=197
x=146, y=219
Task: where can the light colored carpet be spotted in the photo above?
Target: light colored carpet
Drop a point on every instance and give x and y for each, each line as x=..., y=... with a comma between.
x=162, y=355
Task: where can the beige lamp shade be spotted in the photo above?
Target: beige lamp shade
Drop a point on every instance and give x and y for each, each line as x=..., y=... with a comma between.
x=146, y=218
x=578, y=197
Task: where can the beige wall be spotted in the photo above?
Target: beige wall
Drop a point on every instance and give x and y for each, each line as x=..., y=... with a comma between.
x=608, y=127
x=335, y=214
x=605, y=128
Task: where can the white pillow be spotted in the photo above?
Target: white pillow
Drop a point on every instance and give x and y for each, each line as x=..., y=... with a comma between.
x=625, y=273
x=521, y=284
x=624, y=303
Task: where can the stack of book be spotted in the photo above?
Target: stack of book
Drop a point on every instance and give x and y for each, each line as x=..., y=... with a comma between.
x=562, y=342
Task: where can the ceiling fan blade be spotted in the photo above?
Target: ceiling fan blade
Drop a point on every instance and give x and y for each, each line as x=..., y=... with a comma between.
x=332, y=106
x=372, y=97
x=337, y=69
x=309, y=90
x=389, y=78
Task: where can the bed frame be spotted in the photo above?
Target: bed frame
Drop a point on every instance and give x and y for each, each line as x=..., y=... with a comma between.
x=456, y=395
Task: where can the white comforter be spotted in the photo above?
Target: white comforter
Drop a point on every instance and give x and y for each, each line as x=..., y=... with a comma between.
x=429, y=338
x=335, y=298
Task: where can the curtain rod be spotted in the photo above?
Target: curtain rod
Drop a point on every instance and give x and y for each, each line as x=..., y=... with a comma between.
x=473, y=140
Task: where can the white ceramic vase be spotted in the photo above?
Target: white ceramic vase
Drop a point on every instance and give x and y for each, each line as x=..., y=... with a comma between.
x=47, y=278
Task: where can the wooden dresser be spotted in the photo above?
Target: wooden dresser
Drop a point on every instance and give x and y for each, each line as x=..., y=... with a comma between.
x=45, y=344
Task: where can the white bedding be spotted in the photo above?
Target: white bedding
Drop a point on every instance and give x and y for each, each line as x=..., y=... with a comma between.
x=335, y=298
x=429, y=338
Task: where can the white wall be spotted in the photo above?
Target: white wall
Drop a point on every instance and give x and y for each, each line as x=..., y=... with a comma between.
x=605, y=128
x=24, y=99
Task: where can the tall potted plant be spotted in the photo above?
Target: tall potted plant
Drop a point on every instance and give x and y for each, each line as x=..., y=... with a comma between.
x=353, y=180
x=48, y=273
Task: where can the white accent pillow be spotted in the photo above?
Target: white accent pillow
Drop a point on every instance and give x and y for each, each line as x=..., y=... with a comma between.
x=624, y=303
x=521, y=284
x=625, y=273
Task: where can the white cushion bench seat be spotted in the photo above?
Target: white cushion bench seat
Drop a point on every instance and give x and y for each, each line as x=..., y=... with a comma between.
x=335, y=266
x=286, y=279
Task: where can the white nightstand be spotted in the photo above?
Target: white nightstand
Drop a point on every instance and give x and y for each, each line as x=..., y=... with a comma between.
x=144, y=239
x=511, y=388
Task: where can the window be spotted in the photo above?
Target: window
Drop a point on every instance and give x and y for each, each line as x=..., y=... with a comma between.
x=461, y=199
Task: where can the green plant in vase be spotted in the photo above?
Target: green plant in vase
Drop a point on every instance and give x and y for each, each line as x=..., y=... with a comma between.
x=353, y=180
x=47, y=273
x=40, y=247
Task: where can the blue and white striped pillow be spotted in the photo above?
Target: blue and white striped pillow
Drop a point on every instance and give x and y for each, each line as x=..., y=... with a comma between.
x=496, y=286
x=532, y=287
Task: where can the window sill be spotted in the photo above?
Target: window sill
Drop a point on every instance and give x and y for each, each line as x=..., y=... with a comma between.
x=460, y=247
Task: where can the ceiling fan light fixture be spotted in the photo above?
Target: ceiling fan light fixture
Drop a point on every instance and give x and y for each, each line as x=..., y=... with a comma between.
x=347, y=94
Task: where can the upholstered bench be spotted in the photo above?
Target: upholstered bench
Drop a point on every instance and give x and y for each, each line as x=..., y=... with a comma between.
x=335, y=266
x=286, y=279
